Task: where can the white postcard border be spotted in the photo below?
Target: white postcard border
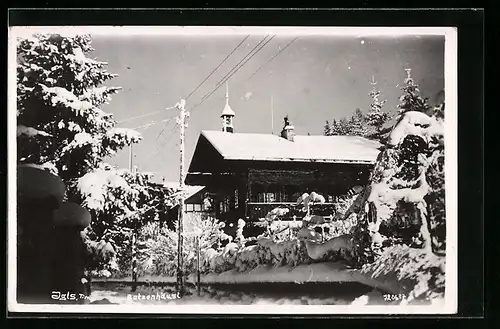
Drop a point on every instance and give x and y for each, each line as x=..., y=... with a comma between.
x=451, y=179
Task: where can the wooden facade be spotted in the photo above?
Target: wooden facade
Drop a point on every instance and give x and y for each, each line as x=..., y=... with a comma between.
x=249, y=189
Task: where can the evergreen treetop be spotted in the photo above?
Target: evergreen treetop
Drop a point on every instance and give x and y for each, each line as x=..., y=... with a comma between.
x=411, y=100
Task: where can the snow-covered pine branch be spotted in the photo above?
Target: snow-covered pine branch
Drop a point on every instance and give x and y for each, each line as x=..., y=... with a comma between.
x=59, y=92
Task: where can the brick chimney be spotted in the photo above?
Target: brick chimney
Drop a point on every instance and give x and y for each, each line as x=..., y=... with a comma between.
x=288, y=131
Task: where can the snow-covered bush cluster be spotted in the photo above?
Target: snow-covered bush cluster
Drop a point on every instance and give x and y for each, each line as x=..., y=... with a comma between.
x=157, y=254
x=269, y=249
x=121, y=202
x=264, y=253
x=423, y=273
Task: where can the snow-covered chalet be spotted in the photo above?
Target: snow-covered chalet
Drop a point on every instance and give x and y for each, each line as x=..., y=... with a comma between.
x=246, y=174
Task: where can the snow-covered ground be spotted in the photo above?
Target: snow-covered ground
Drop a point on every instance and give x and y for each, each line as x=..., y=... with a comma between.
x=327, y=272
x=271, y=294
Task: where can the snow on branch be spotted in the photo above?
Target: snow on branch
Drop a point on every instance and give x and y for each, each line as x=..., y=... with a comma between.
x=47, y=166
x=116, y=138
x=31, y=132
x=99, y=95
x=62, y=97
x=95, y=187
x=80, y=140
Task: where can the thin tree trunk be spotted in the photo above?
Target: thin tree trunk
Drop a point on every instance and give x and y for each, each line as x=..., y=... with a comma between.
x=134, y=262
x=198, y=275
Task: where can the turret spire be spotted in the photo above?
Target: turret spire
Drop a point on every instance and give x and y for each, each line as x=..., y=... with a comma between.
x=227, y=114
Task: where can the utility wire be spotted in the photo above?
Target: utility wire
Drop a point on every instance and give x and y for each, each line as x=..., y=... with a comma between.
x=234, y=71
x=211, y=73
x=228, y=75
x=231, y=72
x=272, y=58
x=152, y=123
x=145, y=115
x=262, y=66
x=158, y=149
x=223, y=61
x=246, y=56
x=162, y=130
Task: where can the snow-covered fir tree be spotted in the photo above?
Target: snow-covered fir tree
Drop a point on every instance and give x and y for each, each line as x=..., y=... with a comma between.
x=327, y=130
x=376, y=117
x=338, y=128
x=357, y=124
x=335, y=128
x=411, y=100
x=59, y=95
x=62, y=128
x=354, y=126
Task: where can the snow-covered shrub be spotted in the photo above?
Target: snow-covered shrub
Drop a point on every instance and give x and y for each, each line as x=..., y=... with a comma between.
x=120, y=202
x=422, y=273
x=159, y=256
x=264, y=253
x=435, y=199
x=101, y=258
x=271, y=217
x=240, y=238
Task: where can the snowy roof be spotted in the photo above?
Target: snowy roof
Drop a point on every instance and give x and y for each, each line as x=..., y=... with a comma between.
x=268, y=147
x=190, y=190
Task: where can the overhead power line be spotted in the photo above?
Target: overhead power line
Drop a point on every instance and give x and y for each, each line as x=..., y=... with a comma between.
x=211, y=73
x=152, y=123
x=162, y=130
x=223, y=61
x=256, y=49
x=272, y=58
x=145, y=115
x=221, y=81
x=233, y=72
x=230, y=72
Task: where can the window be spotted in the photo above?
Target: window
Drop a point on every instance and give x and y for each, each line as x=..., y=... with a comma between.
x=207, y=203
x=267, y=197
x=236, y=200
x=189, y=207
x=270, y=197
x=225, y=205
x=197, y=207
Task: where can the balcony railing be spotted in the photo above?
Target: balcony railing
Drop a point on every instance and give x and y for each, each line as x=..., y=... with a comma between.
x=256, y=210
